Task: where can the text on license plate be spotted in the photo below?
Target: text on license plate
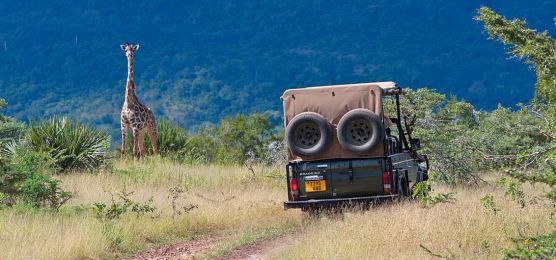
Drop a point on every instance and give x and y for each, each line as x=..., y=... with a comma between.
x=313, y=186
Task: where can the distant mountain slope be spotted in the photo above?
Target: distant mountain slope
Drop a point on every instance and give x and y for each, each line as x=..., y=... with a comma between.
x=201, y=60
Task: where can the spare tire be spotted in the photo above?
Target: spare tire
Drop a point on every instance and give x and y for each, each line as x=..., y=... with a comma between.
x=360, y=130
x=308, y=134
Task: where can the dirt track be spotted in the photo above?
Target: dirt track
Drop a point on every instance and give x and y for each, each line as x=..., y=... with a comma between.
x=198, y=248
x=184, y=250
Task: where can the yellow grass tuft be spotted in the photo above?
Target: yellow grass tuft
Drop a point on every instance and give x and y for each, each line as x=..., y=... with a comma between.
x=463, y=229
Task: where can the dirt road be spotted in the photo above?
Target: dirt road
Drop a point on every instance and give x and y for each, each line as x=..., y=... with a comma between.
x=198, y=248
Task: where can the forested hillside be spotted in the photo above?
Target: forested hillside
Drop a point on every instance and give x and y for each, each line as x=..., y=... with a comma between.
x=201, y=60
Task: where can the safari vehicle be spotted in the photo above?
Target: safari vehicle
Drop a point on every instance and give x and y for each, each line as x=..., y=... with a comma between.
x=343, y=149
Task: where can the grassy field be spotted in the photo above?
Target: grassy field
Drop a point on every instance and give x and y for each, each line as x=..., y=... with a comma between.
x=243, y=208
x=230, y=203
x=462, y=230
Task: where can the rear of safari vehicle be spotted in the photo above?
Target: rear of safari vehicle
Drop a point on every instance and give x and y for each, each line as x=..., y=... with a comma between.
x=336, y=145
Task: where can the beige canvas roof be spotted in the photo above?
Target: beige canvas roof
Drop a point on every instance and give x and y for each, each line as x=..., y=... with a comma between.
x=332, y=102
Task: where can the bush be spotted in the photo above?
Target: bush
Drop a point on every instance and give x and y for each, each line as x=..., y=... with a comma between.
x=171, y=138
x=11, y=131
x=72, y=145
x=240, y=135
x=534, y=161
x=121, y=206
x=541, y=247
x=28, y=179
x=228, y=142
x=200, y=147
x=422, y=192
x=462, y=141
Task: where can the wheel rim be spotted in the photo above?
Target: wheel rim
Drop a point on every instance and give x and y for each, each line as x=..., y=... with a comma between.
x=358, y=132
x=307, y=135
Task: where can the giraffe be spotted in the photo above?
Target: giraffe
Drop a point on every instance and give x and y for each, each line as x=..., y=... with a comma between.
x=135, y=115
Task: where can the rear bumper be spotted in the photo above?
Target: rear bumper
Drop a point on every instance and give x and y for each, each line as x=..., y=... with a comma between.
x=335, y=202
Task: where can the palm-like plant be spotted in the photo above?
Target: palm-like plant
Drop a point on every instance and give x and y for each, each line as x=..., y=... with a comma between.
x=73, y=145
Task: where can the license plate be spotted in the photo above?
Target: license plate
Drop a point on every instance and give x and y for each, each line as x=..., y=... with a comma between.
x=314, y=186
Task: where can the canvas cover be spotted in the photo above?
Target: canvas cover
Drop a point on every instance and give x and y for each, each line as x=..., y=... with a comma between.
x=332, y=102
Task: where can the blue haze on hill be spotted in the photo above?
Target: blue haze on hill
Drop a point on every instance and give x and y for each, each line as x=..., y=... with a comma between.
x=202, y=60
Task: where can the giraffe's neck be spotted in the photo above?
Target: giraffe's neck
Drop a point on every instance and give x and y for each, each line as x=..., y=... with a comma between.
x=130, y=97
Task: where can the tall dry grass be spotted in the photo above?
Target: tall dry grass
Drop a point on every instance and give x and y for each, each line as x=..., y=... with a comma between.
x=230, y=203
x=462, y=230
x=233, y=204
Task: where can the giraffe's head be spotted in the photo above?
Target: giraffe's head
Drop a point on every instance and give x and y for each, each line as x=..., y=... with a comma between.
x=129, y=48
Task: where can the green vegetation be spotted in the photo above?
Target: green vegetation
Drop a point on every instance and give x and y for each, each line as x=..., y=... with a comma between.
x=422, y=192
x=234, y=140
x=10, y=129
x=72, y=145
x=461, y=141
x=170, y=137
x=242, y=137
x=535, y=162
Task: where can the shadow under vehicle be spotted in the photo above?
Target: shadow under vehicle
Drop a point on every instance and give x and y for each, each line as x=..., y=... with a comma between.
x=343, y=149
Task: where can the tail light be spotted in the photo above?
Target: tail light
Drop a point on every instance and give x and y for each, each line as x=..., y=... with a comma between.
x=386, y=182
x=294, y=192
x=293, y=184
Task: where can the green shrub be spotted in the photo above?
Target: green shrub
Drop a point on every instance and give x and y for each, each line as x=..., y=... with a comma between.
x=28, y=179
x=72, y=145
x=11, y=132
x=122, y=205
x=243, y=134
x=540, y=247
x=422, y=192
x=171, y=138
x=228, y=142
x=489, y=204
x=461, y=141
x=200, y=147
x=534, y=161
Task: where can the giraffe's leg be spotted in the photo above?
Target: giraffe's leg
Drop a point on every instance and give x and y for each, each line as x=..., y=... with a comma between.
x=151, y=131
x=141, y=144
x=135, y=143
x=124, y=140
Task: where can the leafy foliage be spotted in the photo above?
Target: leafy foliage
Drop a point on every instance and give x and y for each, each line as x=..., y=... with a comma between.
x=537, y=48
x=461, y=141
x=28, y=179
x=489, y=204
x=11, y=132
x=200, y=147
x=170, y=137
x=541, y=247
x=241, y=135
x=422, y=192
x=10, y=129
x=72, y=145
x=120, y=206
x=534, y=164
x=233, y=141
